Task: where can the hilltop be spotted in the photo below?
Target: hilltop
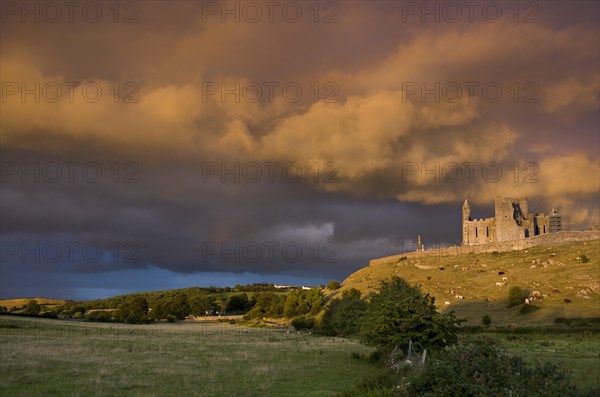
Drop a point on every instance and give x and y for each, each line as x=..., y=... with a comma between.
x=562, y=269
x=21, y=302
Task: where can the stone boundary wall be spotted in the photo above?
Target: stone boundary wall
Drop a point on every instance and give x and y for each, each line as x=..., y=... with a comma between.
x=504, y=246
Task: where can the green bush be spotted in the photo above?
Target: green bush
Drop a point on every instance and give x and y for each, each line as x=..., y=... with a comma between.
x=481, y=368
x=171, y=318
x=343, y=317
x=134, y=310
x=486, y=320
x=238, y=304
x=302, y=322
x=333, y=285
x=101, y=316
x=176, y=305
x=33, y=308
x=515, y=296
x=302, y=302
x=477, y=368
x=351, y=293
x=401, y=313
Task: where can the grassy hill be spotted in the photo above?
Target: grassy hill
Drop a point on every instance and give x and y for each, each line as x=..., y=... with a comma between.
x=568, y=283
x=50, y=303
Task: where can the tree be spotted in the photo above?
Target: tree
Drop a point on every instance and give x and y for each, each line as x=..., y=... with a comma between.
x=176, y=305
x=268, y=304
x=76, y=309
x=237, y=303
x=179, y=306
x=401, y=313
x=486, y=320
x=33, y=308
x=333, y=285
x=302, y=302
x=343, y=317
x=515, y=296
x=314, y=300
x=203, y=304
x=134, y=310
x=101, y=316
x=303, y=322
x=291, y=304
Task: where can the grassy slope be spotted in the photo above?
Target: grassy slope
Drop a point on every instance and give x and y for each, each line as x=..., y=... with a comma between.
x=8, y=303
x=562, y=272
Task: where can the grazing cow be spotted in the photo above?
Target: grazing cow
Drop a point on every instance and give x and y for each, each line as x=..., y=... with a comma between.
x=446, y=303
x=459, y=297
x=505, y=278
x=500, y=284
x=526, y=301
x=501, y=273
x=456, y=266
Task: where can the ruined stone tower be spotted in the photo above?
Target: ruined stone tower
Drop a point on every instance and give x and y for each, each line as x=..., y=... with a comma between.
x=512, y=222
x=466, y=217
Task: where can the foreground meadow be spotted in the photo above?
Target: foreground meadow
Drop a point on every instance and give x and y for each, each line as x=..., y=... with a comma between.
x=41, y=357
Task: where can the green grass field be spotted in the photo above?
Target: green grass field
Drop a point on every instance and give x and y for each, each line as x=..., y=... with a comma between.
x=42, y=357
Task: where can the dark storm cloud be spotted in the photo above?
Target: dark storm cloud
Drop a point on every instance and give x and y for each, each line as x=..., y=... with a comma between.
x=373, y=145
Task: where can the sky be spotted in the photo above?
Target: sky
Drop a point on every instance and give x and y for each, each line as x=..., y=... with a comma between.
x=153, y=145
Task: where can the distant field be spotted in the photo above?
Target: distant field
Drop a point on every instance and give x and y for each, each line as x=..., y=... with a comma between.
x=43, y=357
x=8, y=303
x=551, y=269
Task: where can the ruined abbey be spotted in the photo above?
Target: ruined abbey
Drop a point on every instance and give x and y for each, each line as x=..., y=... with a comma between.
x=512, y=222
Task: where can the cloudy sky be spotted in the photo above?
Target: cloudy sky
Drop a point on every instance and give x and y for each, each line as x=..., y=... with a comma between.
x=154, y=145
